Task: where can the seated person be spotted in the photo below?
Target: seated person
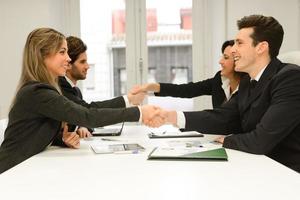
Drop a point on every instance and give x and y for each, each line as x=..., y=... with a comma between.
x=221, y=87
x=39, y=110
x=263, y=118
x=78, y=70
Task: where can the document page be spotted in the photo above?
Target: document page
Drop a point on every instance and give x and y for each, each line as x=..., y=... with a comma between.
x=166, y=134
x=169, y=131
x=117, y=148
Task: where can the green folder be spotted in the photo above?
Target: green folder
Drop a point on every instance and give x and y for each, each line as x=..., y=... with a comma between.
x=189, y=153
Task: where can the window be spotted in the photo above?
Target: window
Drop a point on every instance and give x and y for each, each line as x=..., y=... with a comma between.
x=169, y=42
x=102, y=29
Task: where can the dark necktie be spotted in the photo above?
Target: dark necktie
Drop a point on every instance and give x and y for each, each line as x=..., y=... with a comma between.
x=77, y=92
x=252, y=86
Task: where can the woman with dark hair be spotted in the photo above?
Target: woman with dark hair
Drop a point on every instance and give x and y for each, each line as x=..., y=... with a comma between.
x=221, y=87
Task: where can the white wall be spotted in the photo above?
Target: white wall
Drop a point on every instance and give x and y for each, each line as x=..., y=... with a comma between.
x=17, y=19
x=286, y=12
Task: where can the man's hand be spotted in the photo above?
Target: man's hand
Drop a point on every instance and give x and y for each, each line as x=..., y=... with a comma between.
x=148, y=87
x=171, y=117
x=83, y=132
x=220, y=139
x=71, y=139
x=153, y=116
x=136, y=95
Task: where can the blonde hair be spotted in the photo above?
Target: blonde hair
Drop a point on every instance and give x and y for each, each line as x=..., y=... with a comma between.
x=40, y=43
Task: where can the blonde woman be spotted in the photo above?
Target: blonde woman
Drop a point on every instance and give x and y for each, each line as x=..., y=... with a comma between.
x=39, y=109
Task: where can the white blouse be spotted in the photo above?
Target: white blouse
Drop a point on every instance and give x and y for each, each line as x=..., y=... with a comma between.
x=226, y=87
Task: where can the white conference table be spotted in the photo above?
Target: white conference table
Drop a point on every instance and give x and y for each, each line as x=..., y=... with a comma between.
x=62, y=173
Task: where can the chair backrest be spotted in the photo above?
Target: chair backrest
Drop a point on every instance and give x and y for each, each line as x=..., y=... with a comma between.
x=290, y=57
x=3, y=125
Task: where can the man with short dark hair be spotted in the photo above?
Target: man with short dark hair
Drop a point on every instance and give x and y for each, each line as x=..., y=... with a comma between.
x=263, y=118
x=78, y=71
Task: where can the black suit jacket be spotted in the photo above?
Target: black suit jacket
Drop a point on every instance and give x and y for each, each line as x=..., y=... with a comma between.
x=267, y=122
x=36, y=116
x=212, y=86
x=76, y=96
x=71, y=94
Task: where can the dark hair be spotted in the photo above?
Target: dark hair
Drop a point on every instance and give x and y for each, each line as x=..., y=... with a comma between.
x=226, y=44
x=264, y=29
x=75, y=47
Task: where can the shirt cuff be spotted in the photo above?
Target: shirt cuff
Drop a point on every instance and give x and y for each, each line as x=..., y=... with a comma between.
x=141, y=115
x=180, y=119
x=127, y=104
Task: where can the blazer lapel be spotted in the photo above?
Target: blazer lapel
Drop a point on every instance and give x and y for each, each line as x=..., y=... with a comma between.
x=263, y=82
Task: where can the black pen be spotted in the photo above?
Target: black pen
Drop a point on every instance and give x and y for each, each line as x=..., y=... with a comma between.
x=107, y=139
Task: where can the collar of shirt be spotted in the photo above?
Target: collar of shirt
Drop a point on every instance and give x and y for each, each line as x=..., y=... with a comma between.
x=257, y=77
x=70, y=82
x=226, y=87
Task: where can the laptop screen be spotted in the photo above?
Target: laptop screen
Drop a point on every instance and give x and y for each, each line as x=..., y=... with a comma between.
x=108, y=131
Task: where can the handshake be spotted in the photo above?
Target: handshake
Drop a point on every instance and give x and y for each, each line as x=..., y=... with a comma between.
x=138, y=93
x=152, y=116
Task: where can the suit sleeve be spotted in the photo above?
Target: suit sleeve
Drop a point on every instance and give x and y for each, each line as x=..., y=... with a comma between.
x=48, y=102
x=222, y=120
x=57, y=141
x=279, y=120
x=117, y=102
x=68, y=92
x=188, y=90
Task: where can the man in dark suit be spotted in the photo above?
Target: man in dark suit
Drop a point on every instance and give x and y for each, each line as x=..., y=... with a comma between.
x=262, y=118
x=78, y=71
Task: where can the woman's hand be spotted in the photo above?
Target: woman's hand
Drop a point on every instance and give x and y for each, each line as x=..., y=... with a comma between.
x=83, y=132
x=71, y=139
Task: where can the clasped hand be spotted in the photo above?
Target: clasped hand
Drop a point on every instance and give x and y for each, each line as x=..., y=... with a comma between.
x=153, y=116
x=136, y=95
